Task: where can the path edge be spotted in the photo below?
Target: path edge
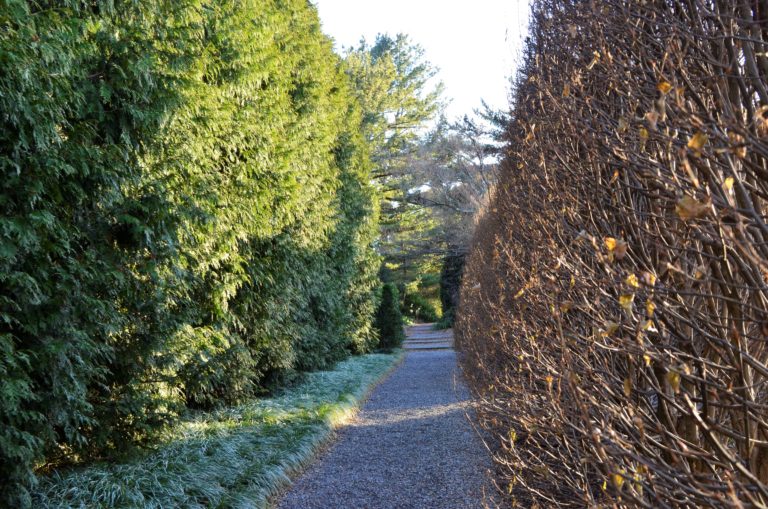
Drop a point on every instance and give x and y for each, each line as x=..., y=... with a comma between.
x=295, y=467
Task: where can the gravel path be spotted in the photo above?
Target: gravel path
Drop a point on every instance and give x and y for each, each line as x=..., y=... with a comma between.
x=411, y=446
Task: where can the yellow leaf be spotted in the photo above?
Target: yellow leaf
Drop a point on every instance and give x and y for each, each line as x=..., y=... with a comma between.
x=728, y=184
x=627, y=387
x=689, y=207
x=618, y=480
x=738, y=146
x=520, y=293
x=632, y=281
x=626, y=301
x=549, y=380
x=647, y=359
x=650, y=307
x=643, y=133
x=673, y=377
x=616, y=247
x=648, y=278
x=697, y=142
x=664, y=87
x=573, y=281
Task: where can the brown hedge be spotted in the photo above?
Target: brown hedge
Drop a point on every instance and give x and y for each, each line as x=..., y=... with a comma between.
x=614, y=310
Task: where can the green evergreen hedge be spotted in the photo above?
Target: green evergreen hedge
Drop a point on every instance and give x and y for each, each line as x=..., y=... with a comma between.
x=185, y=215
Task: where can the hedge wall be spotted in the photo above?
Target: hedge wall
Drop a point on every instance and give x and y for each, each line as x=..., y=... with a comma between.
x=613, y=314
x=185, y=216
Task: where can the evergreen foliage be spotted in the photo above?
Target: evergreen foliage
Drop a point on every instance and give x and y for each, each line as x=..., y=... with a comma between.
x=389, y=320
x=185, y=215
x=417, y=306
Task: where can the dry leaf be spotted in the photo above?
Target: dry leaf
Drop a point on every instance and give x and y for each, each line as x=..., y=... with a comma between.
x=673, y=377
x=567, y=90
x=664, y=87
x=689, y=207
x=648, y=278
x=650, y=307
x=697, y=142
x=737, y=144
x=621, y=249
x=691, y=174
x=595, y=60
x=627, y=387
x=626, y=300
x=610, y=328
x=652, y=118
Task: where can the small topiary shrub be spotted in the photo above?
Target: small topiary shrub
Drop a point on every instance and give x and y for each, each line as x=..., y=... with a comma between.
x=389, y=320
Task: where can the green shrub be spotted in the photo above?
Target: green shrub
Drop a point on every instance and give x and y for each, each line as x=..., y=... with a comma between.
x=389, y=320
x=416, y=306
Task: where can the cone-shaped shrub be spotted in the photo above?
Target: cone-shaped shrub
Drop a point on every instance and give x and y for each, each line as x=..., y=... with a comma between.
x=389, y=320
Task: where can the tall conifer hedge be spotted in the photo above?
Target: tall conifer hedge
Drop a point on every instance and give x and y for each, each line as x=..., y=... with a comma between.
x=185, y=214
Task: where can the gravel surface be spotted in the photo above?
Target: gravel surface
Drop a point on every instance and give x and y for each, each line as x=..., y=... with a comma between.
x=411, y=446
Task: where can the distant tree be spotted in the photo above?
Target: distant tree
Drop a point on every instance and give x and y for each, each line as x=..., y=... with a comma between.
x=392, y=82
x=431, y=182
x=449, y=181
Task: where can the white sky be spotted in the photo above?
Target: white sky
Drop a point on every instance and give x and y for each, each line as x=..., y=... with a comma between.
x=475, y=44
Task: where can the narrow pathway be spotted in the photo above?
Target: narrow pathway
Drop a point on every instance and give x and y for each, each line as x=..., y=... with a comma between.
x=410, y=446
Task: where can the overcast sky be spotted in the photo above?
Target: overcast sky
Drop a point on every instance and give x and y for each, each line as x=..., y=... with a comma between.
x=476, y=44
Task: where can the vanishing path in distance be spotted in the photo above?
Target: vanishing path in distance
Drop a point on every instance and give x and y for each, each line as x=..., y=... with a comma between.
x=411, y=445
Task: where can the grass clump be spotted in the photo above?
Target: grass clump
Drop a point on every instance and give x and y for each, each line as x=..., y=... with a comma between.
x=236, y=457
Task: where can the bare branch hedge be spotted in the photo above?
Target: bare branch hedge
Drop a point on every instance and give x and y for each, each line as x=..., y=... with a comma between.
x=614, y=311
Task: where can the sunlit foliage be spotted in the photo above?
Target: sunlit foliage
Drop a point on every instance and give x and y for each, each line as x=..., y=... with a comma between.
x=185, y=217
